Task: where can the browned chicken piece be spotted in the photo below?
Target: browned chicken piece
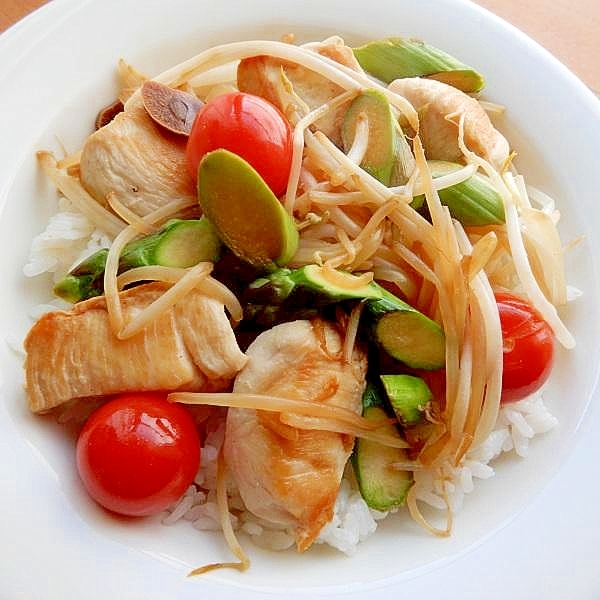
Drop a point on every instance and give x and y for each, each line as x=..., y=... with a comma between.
x=74, y=354
x=289, y=476
x=435, y=102
x=261, y=75
x=142, y=164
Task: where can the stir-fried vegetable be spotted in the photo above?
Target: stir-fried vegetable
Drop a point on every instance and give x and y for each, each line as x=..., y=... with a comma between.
x=408, y=395
x=245, y=212
x=401, y=330
x=175, y=110
x=179, y=243
x=474, y=201
x=396, y=57
x=372, y=133
x=382, y=480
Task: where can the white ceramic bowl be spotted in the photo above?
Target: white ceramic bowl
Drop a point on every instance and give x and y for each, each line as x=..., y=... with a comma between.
x=57, y=69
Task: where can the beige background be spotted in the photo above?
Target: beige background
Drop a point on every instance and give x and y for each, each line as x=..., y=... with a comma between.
x=570, y=29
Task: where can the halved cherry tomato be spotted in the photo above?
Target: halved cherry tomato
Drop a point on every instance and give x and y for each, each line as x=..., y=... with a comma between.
x=138, y=453
x=528, y=344
x=248, y=126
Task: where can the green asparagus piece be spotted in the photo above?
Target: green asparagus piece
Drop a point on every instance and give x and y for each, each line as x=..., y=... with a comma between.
x=402, y=331
x=396, y=57
x=179, y=243
x=405, y=333
x=388, y=156
x=85, y=280
x=408, y=395
x=247, y=215
x=473, y=202
x=382, y=484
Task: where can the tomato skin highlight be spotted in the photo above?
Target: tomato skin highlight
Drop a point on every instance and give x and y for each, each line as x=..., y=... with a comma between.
x=528, y=347
x=138, y=453
x=248, y=126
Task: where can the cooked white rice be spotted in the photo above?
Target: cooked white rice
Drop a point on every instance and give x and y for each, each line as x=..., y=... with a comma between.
x=517, y=424
x=69, y=237
x=353, y=521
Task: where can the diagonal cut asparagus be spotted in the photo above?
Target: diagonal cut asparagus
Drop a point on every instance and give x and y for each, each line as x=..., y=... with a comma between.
x=401, y=330
x=474, y=201
x=395, y=57
x=179, y=243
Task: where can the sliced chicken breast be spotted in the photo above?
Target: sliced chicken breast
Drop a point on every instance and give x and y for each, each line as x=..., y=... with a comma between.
x=285, y=475
x=262, y=75
x=132, y=157
x=439, y=106
x=74, y=354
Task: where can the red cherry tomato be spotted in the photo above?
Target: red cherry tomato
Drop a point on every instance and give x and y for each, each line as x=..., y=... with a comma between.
x=138, y=453
x=248, y=126
x=528, y=344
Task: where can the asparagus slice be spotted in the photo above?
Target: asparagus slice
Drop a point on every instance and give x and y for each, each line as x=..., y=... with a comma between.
x=395, y=57
x=405, y=333
x=473, y=202
x=402, y=331
x=179, y=243
x=84, y=280
x=408, y=396
x=388, y=156
x=247, y=215
x=382, y=485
